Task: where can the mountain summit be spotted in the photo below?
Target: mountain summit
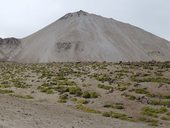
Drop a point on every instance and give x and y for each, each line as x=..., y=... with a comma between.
x=82, y=36
x=76, y=14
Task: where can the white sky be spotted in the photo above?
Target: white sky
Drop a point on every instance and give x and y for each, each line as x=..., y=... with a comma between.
x=20, y=18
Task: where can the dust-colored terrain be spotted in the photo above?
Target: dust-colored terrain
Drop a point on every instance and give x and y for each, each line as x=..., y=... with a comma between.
x=85, y=95
x=81, y=36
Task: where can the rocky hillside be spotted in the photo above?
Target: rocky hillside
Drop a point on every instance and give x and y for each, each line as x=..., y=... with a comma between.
x=82, y=36
x=9, y=47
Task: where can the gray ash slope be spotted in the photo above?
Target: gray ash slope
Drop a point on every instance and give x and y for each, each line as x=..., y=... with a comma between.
x=82, y=36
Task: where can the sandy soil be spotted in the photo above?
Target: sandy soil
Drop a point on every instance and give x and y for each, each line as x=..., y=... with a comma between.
x=18, y=113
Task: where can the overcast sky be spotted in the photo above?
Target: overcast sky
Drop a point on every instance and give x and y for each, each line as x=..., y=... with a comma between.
x=20, y=18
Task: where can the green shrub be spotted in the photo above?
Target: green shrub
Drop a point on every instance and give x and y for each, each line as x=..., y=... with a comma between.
x=132, y=97
x=93, y=95
x=86, y=109
x=107, y=106
x=5, y=86
x=82, y=101
x=87, y=94
x=62, y=101
x=117, y=116
x=46, y=88
x=159, y=102
x=151, y=79
x=104, y=87
x=118, y=107
x=103, y=78
x=141, y=91
x=22, y=96
x=106, y=114
x=75, y=91
x=148, y=111
x=63, y=96
x=114, y=106
x=61, y=89
x=5, y=91
x=73, y=99
x=151, y=122
x=167, y=118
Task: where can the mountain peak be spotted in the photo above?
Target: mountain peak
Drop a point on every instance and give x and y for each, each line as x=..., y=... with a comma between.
x=74, y=14
x=85, y=37
x=81, y=12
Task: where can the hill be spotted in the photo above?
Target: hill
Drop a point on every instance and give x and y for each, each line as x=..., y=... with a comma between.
x=81, y=36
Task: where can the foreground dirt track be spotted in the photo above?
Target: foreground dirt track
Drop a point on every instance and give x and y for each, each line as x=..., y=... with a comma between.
x=15, y=113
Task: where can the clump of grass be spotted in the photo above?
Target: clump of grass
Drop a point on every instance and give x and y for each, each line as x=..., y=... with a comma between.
x=20, y=84
x=75, y=91
x=106, y=114
x=122, y=86
x=63, y=98
x=6, y=91
x=159, y=102
x=120, y=116
x=104, y=86
x=148, y=111
x=5, y=86
x=87, y=94
x=118, y=106
x=107, y=106
x=114, y=106
x=117, y=116
x=93, y=95
x=150, y=121
x=103, y=78
x=74, y=99
x=45, y=88
x=151, y=79
x=131, y=97
x=86, y=109
x=66, y=82
x=22, y=96
x=82, y=101
x=141, y=91
x=167, y=118
x=62, y=101
x=159, y=95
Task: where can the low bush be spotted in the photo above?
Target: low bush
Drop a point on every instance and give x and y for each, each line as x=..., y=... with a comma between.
x=148, y=111
x=150, y=121
x=104, y=87
x=86, y=109
x=87, y=94
x=82, y=101
x=117, y=116
x=5, y=91
x=22, y=96
x=75, y=91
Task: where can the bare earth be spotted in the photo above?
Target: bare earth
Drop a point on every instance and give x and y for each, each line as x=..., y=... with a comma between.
x=16, y=113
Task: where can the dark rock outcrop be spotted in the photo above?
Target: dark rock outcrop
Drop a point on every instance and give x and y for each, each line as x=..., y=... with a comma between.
x=8, y=48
